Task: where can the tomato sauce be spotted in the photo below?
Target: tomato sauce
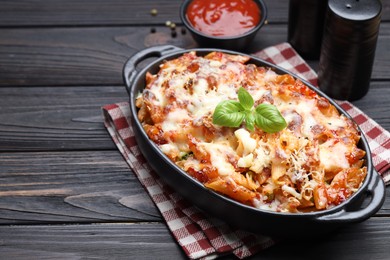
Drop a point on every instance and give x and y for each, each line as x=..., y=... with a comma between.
x=223, y=17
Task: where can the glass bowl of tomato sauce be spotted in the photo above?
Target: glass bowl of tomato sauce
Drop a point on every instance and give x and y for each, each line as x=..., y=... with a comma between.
x=227, y=24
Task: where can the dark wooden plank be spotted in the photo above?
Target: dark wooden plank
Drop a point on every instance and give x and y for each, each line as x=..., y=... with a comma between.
x=74, y=56
x=64, y=187
x=71, y=187
x=376, y=103
x=367, y=240
x=95, y=56
x=56, y=118
x=110, y=241
x=114, y=12
x=70, y=118
x=99, y=12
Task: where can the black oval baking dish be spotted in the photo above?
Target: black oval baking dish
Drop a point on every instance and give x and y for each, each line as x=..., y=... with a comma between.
x=353, y=210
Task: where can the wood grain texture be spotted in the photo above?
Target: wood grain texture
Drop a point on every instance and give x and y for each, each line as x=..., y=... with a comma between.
x=107, y=241
x=87, y=13
x=56, y=118
x=146, y=241
x=79, y=187
x=380, y=112
x=65, y=56
x=367, y=240
x=74, y=56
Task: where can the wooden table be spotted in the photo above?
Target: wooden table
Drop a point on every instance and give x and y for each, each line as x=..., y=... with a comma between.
x=65, y=190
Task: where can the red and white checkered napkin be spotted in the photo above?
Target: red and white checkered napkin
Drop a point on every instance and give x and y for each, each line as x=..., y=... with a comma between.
x=200, y=235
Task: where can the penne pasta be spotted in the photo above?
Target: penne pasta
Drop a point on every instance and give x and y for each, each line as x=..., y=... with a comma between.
x=312, y=164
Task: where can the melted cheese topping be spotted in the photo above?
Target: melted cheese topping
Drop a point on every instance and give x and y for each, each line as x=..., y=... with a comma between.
x=332, y=156
x=174, y=119
x=296, y=169
x=218, y=157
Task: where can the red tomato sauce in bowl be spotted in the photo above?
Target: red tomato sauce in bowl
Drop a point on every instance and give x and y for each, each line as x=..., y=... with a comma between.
x=223, y=17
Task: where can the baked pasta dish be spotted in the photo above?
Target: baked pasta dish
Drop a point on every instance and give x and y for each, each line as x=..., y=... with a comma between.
x=312, y=163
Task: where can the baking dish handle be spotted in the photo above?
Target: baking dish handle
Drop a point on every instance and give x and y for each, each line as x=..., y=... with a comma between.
x=130, y=71
x=375, y=191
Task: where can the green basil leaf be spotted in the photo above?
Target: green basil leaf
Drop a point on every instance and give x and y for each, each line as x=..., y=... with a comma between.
x=232, y=113
x=228, y=113
x=250, y=121
x=268, y=118
x=246, y=100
